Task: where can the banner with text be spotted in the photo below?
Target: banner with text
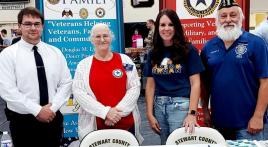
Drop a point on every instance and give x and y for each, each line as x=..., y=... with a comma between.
x=67, y=26
x=198, y=19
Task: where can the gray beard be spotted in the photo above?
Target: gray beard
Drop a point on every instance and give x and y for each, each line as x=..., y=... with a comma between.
x=229, y=35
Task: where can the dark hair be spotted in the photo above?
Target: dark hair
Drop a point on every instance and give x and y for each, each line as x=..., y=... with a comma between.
x=1, y=41
x=180, y=48
x=4, y=31
x=151, y=21
x=30, y=11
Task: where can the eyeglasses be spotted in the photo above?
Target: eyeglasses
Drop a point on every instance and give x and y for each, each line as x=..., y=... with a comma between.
x=104, y=36
x=29, y=25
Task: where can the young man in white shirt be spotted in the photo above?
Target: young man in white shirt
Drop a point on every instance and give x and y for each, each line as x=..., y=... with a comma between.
x=35, y=82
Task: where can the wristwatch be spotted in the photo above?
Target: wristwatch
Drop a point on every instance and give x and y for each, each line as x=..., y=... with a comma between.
x=192, y=112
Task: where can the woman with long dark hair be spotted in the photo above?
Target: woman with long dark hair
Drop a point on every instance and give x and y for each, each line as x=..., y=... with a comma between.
x=173, y=81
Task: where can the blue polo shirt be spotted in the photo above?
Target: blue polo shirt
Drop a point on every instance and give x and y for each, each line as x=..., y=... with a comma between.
x=173, y=79
x=234, y=77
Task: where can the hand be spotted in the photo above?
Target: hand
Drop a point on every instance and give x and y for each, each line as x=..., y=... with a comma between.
x=154, y=124
x=46, y=114
x=255, y=125
x=108, y=122
x=114, y=115
x=189, y=123
x=207, y=118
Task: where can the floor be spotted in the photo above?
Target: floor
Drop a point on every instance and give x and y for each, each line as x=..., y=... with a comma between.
x=150, y=138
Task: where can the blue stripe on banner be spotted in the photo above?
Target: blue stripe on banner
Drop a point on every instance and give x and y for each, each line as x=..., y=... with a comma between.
x=70, y=123
x=72, y=38
x=120, y=17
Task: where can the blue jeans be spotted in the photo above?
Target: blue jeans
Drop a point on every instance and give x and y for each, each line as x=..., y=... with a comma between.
x=240, y=134
x=170, y=113
x=263, y=135
x=243, y=134
x=266, y=128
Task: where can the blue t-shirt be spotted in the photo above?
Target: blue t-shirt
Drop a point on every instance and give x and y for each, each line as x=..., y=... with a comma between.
x=173, y=80
x=234, y=78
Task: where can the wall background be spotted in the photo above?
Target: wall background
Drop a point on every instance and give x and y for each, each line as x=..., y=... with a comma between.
x=258, y=12
x=8, y=15
x=142, y=14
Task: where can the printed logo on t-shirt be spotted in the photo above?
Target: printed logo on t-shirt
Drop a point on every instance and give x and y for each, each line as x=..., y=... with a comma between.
x=117, y=73
x=240, y=50
x=166, y=67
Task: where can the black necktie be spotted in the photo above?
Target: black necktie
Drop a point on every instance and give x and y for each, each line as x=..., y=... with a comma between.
x=42, y=80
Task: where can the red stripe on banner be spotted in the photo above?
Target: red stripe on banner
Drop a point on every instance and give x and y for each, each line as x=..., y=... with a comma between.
x=199, y=31
x=169, y=4
x=200, y=117
x=244, y=4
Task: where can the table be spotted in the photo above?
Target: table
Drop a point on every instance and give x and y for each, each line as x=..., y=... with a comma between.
x=194, y=145
x=246, y=143
x=236, y=143
x=230, y=143
x=136, y=53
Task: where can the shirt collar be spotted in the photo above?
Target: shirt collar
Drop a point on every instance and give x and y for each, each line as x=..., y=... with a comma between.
x=29, y=46
x=243, y=38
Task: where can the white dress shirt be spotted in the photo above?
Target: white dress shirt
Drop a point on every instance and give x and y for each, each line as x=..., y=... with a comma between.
x=19, y=82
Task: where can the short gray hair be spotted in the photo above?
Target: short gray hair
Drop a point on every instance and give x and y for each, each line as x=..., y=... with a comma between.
x=100, y=25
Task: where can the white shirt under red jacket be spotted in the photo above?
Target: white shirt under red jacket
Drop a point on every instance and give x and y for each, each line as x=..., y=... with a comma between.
x=19, y=82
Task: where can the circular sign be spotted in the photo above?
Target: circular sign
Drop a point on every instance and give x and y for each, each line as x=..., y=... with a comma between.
x=100, y=12
x=83, y=13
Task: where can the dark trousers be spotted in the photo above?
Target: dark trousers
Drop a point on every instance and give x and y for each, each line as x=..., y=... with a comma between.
x=132, y=130
x=227, y=133
x=27, y=131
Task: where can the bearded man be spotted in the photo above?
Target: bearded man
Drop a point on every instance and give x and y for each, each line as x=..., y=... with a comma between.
x=236, y=77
